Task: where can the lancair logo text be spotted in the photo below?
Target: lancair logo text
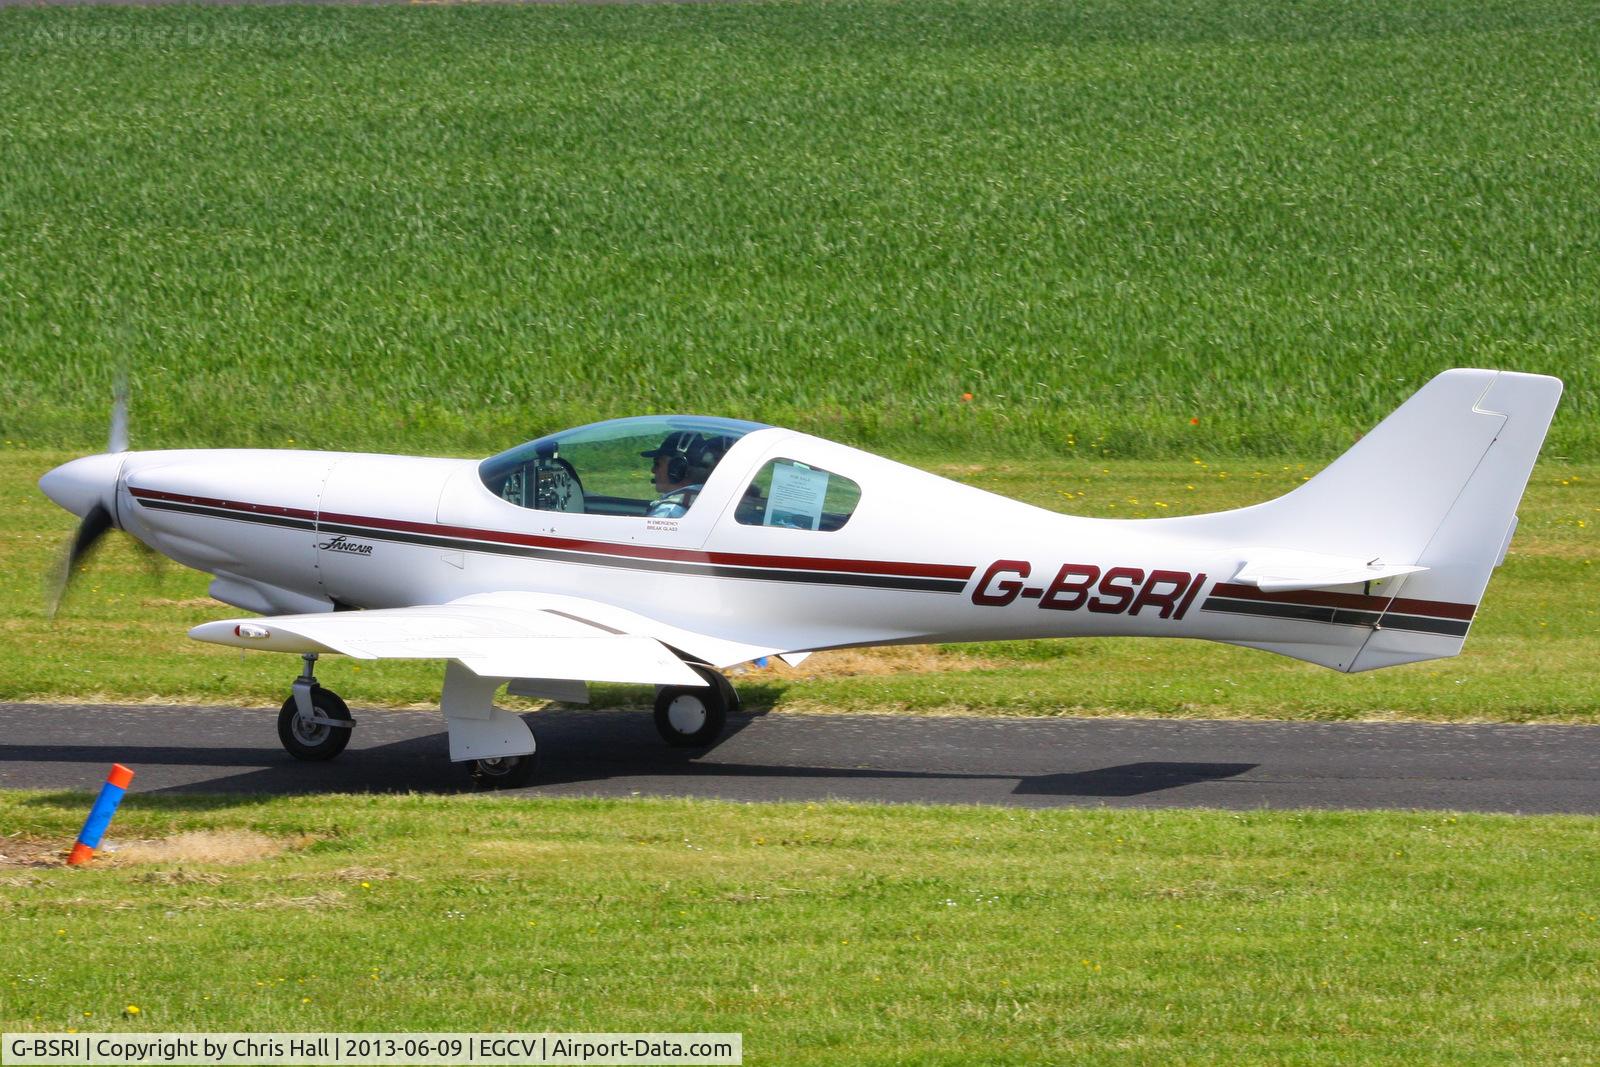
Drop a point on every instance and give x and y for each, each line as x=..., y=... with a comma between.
x=344, y=544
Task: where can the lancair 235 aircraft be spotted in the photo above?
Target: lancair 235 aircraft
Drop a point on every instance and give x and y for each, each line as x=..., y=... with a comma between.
x=658, y=550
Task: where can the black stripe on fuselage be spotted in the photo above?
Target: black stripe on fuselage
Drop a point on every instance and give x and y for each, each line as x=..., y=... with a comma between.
x=1339, y=616
x=588, y=559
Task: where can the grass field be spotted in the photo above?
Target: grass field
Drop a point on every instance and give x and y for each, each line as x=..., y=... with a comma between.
x=825, y=933
x=1530, y=657
x=446, y=227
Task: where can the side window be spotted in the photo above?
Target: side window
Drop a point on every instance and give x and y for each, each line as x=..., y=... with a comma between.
x=798, y=496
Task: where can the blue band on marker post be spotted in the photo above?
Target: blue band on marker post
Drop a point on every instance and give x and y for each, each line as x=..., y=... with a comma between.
x=105, y=806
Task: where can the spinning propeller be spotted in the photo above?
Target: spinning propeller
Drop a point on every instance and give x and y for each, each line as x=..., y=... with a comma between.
x=87, y=487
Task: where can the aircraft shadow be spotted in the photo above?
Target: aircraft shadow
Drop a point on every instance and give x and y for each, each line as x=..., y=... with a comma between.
x=604, y=750
x=1129, y=779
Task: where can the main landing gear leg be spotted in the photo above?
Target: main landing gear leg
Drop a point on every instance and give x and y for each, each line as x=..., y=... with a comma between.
x=498, y=744
x=694, y=716
x=314, y=723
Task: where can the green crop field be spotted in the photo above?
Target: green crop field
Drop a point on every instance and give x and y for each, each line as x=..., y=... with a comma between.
x=456, y=227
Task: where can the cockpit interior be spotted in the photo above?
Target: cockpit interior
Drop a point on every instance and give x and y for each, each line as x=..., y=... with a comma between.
x=655, y=466
x=651, y=464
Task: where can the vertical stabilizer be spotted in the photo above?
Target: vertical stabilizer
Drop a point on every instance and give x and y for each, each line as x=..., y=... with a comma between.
x=1425, y=503
x=1474, y=533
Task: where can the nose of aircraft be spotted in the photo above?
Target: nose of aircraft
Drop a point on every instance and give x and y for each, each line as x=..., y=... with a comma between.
x=81, y=484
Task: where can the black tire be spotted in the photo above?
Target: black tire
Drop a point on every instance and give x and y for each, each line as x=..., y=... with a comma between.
x=312, y=740
x=505, y=772
x=693, y=716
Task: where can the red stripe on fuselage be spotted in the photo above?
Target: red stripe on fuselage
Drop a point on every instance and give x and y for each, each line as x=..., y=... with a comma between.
x=1356, y=601
x=231, y=505
x=678, y=555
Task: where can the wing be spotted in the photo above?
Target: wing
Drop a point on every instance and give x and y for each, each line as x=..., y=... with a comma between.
x=499, y=635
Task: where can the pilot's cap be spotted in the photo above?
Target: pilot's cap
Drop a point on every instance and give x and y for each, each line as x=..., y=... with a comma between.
x=692, y=446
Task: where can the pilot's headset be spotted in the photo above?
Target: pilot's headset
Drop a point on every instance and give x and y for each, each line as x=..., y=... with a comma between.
x=688, y=452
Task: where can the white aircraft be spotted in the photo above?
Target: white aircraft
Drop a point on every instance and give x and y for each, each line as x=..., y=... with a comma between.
x=658, y=550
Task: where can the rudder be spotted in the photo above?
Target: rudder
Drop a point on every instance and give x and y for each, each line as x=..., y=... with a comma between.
x=1472, y=537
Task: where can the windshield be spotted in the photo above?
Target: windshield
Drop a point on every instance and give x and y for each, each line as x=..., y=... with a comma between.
x=653, y=465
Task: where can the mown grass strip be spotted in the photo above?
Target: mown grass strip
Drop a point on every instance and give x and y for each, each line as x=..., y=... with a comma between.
x=121, y=635
x=826, y=933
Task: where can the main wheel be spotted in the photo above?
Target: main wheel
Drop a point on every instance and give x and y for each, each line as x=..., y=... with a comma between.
x=505, y=772
x=314, y=740
x=692, y=716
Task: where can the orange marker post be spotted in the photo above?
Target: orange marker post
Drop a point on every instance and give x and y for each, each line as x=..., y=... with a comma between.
x=105, y=806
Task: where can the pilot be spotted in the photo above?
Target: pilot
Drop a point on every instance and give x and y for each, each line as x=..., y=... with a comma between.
x=682, y=463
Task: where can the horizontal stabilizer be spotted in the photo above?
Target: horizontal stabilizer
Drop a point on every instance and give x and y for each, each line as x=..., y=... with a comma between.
x=1282, y=570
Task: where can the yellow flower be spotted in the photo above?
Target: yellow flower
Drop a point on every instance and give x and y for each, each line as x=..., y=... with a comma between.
x=131, y=1010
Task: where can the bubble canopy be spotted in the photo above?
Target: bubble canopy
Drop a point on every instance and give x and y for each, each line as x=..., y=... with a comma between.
x=609, y=467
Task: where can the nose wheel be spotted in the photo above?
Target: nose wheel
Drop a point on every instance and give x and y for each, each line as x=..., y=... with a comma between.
x=314, y=724
x=694, y=716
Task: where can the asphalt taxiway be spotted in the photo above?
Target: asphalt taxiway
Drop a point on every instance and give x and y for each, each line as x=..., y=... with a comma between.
x=874, y=758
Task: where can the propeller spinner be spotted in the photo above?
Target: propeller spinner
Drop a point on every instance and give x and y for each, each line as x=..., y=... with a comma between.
x=87, y=487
